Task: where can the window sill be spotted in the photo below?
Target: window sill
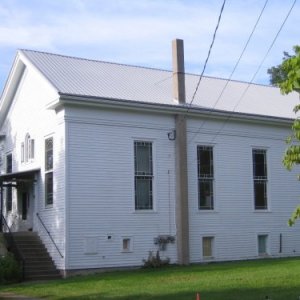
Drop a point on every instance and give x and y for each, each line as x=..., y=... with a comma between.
x=260, y=211
x=203, y=211
x=145, y=211
x=208, y=258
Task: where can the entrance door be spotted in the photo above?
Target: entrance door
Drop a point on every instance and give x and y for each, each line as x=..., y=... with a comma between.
x=25, y=208
x=25, y=205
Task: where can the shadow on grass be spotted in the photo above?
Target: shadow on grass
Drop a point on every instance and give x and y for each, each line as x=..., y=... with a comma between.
x=235, y=294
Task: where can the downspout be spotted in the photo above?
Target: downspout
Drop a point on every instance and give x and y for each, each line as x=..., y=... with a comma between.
x=182, y=214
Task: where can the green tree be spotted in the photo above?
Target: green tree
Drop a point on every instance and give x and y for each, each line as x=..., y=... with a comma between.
x=287, y=77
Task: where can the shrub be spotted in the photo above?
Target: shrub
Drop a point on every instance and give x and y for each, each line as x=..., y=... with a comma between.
x=155, y=261
x=10, y=270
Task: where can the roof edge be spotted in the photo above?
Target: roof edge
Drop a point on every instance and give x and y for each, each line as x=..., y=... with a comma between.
x=79, y=100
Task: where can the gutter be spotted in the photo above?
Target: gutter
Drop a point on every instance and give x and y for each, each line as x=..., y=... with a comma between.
x=132, y=105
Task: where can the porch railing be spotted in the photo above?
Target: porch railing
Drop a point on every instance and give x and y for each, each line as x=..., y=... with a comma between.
x=49, y=234
x=12, y=245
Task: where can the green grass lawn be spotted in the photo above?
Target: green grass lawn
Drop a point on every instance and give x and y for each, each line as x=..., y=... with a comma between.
x=275, y=278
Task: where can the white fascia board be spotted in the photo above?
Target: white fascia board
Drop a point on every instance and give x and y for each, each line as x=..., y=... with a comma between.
x=28, y=63
x=86, y=101
x=11, y=87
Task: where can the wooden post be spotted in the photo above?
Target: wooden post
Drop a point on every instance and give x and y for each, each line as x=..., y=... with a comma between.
x=182, y=214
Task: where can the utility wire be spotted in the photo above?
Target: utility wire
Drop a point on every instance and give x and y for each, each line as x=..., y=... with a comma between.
x=207, y=58
x=258, y=69
x=234, y=69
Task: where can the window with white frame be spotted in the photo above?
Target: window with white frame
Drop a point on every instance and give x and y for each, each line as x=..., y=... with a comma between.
x=143, y=175
x=262, y=243
x=205, y=177
x=27, y=149
x=260, y=178
x=9, y=188
x=49, y=171
x=208, y=247
x=126, y=244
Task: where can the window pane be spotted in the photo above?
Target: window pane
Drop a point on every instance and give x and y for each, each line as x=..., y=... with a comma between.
x=31, y=149
x=49, y=188
x=262, y=244
x=143, y=158
x=22, y=152
x=206, y=194
x=205, y=162
x=260, y=194
x=9, y=163
x=126, y=244
x=143, y=193
x=49, y=154
x=207, y=246
x=259, y=164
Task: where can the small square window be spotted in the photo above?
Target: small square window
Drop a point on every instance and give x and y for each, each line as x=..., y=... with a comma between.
x=207, y=247
x=262, y=241
x=126, y=244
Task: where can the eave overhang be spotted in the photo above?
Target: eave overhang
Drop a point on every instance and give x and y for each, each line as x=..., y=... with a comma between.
x=191, y=111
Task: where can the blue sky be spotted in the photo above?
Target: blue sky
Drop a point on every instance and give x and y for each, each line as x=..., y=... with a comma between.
x=140, y=32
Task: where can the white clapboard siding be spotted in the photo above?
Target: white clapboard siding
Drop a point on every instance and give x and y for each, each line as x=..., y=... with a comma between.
x=234, y=223
x=28, y=114
x=101, y=187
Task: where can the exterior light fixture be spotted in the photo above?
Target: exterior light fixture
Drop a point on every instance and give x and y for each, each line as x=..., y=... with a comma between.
x=172, y=135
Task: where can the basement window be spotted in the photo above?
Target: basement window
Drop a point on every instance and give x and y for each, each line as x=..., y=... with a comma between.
x=126, y=244
x=262, y=241
x=207, y=247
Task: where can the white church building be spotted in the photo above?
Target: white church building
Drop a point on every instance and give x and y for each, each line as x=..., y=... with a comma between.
x=114, y=159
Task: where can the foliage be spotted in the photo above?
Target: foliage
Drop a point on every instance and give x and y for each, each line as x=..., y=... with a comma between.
x=276, y=278
x=155, y=261
x=9, y=269
x=278, y=74
x=163, y=240
x=287, y=77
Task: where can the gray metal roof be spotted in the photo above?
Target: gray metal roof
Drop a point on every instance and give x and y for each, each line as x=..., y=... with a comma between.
x=83, y=77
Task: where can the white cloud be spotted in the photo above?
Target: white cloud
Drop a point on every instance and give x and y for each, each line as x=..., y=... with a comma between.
x=140, y=31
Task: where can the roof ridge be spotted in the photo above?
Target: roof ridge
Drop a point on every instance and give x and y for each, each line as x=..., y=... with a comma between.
x=95, y=60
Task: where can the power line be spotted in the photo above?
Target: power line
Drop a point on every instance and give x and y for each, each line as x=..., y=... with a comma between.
x=258, y=69
x=235, y=67
x=208, y=55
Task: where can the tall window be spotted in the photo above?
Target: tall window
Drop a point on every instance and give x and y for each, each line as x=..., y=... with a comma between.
x=27, y=149
x=143, y=171
x=9, y=188
x=260, y=178
x=9, y=163
x=205, y=178
x=22, y=152
x=49, y=171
